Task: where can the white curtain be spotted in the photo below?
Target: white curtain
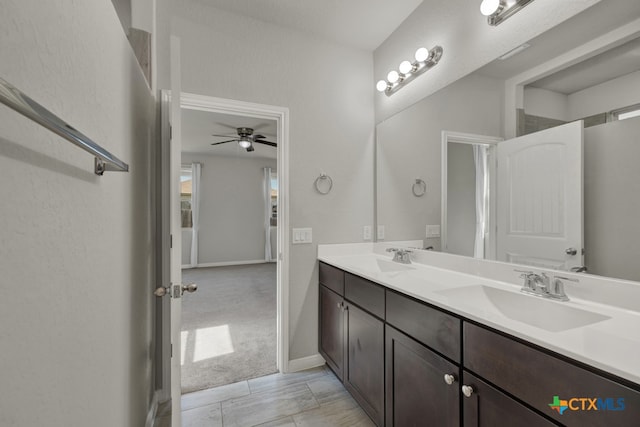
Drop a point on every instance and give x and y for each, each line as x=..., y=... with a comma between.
x=267, y=214
x=196, y=170
x=482, y=183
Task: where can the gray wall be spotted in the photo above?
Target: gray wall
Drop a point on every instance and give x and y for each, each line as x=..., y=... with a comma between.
x=611, y=199
x=328, y=89
x=231, y=208
x=409, y=147
x=76, y=250
x=461, y=199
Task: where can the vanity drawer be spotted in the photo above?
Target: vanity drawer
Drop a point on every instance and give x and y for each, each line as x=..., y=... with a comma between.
x=430, y=326
x=364, y=293
x=332, y=278
x=536, y=377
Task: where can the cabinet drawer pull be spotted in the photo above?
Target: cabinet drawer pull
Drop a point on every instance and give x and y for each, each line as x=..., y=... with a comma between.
x=449, y=378
x=467, y=390
x=339, y=305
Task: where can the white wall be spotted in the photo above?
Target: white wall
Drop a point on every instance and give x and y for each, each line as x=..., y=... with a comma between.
x=409, y=147
x=468, y=42
x=76, y=250
x=328, y=90
x=607, y=96
x=546, y=103
x=231, y=208
x=611, y=202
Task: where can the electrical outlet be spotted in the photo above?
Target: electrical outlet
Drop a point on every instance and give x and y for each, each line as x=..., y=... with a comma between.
x=302, y=236
x=366, y=232
x=433, y=230
x=381, y=232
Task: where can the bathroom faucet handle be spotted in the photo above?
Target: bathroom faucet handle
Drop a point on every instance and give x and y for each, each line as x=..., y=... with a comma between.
x=392, y=250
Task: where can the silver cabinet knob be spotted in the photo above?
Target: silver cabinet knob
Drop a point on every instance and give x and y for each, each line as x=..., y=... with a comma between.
x=191, y=288
x=160, y=292
x=467, y=390
x=571, y=251
x=339, y=305
x=449, y=378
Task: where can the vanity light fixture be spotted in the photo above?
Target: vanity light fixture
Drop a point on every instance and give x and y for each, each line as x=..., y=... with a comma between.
x=407, y=71
x=497, y=11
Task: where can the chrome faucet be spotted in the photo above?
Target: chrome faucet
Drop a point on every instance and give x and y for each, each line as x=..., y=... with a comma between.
x=542, y=286
x=402, y=256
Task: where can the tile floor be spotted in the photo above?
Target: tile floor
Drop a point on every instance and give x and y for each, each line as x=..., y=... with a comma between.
x=314, y=397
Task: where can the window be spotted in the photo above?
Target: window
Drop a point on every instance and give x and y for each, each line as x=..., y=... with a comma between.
x=186, y=186
x=274, y=199
x=626, y=113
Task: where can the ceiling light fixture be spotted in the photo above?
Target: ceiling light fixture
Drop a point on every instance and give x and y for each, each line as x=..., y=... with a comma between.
x=425, y=59
x=497, y=11
x=244, y=142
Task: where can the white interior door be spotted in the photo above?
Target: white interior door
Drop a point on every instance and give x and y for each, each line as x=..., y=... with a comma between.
x=176, y=230
x=540, y=198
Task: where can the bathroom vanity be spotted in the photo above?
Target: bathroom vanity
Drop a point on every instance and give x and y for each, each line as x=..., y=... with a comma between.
x=418, y=344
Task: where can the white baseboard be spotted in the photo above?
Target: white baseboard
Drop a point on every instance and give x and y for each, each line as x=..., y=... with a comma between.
x=153, y=410
x=226, y=263
x=303, y=363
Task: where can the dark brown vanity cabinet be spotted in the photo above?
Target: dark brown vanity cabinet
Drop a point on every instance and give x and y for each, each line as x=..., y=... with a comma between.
x=422, y=387
x=351, y=336
x=409, y=363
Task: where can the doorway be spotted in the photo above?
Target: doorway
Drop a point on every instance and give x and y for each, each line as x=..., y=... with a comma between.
x=229, y=211
x=243, y=109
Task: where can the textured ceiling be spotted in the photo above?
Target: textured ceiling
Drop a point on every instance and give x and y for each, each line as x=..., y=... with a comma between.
x=363, y=24
x=198, y=127
x=609, y=65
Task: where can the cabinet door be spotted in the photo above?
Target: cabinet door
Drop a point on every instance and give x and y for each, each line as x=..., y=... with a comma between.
x=488, y=407
x=364, y=368
x=417, y=393
x=331, y=334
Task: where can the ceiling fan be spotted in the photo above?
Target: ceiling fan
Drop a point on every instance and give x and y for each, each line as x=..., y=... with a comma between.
x=246, y=139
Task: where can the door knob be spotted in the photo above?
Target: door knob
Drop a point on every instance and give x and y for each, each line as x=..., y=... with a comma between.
x=191, y=288
x=161, y=291
x=467, y=390
x=571, y=251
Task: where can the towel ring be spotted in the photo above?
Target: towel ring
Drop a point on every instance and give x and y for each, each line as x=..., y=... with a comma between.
x=321, y=178
x=419, y=188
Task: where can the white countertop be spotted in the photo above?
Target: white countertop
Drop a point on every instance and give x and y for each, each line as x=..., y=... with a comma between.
x=612, y=344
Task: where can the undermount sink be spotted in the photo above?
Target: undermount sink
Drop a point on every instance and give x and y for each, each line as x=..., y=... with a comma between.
x=390, y=266
x=535, y=311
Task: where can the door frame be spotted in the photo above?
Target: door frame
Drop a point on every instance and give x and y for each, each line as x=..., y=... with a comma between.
x=238, y=108
x=471, y=139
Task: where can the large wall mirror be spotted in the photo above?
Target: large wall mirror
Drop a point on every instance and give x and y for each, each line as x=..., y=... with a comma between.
x=587, y=194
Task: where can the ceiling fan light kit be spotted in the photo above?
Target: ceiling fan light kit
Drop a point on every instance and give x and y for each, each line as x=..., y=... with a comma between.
x=246, y=139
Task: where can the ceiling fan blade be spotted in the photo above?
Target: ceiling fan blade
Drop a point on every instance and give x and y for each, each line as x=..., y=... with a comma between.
x=223, y=142
x=259, y=137
x=226, y=126
x=230, y=135
x=260, y=141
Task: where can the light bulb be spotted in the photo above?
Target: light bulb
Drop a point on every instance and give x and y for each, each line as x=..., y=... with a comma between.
x=489, y=7
x=381, y=86
x=422, y=54
x=405, y=67
x=244, y=143
x=393, y=76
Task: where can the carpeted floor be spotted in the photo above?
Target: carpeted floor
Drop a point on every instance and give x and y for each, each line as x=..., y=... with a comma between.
x=228, y=325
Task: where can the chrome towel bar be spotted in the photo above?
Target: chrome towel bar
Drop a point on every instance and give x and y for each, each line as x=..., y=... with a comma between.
x=12, y=97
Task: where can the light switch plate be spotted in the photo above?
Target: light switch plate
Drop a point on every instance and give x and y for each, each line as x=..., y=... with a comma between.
x=433, y=230
x=381, y=232
x=366, y=232
x=302, y=236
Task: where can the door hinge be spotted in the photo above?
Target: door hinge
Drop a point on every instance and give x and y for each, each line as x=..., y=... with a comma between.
x=171, y=350
x=170, y=133
x=170, y=241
